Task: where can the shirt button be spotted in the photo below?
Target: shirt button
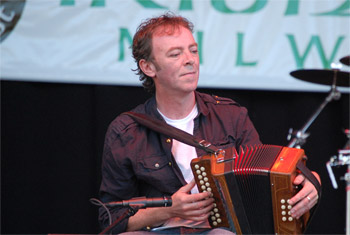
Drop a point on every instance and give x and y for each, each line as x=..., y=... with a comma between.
x=169, y=163
x=156, y=165
x=168, y=140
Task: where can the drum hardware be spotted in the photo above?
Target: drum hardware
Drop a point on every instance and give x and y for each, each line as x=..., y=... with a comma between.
x=342, y=159
x=345, y=60
x=333, y=77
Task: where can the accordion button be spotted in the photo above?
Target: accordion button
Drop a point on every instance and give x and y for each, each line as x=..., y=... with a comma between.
x=198, y=172
x=206, y=179
x=217, y=215
x=202, y=168
x=215, y=223
x=283, y=201
x=200, y=177
x=206, y=184
x=284, y=218
x=289, y=207
x=215, y=205
x=212, y=213
x=201, y=182
x=216, y=210
x=219, y=221
x=284, y=213
x=290, y=218
x=203, y=187
x=283, y=207
x=196, y=166
x=209, y=189
x=204, y=174
x=213, y=218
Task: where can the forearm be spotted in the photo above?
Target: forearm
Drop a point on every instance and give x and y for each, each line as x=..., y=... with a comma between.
x=152, y=217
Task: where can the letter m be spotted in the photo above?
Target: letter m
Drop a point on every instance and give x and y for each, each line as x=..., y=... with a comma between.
x=124, y=35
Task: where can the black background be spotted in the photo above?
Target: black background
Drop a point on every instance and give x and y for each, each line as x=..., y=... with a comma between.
x=52, y=138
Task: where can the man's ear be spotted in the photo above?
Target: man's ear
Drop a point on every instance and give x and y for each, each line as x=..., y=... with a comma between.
x=147, y=67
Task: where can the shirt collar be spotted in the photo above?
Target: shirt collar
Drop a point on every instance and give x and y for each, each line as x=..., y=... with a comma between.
x=151, y=106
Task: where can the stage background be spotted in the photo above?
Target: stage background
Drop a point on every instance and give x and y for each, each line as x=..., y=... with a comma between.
x=65, y=70
x=52, y=138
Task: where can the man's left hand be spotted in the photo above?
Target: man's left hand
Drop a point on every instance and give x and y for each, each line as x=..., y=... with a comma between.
x=306, y=198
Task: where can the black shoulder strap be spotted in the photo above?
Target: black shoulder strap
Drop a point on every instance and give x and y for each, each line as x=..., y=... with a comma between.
x=175, y=133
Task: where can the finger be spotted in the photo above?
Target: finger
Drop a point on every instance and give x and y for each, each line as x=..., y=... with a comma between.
x=304, y=205
x=187, y=188
x=304, y=200
x=303, y=193
x=198, y=211
x=199, y=196
x=201, y=217
x=299, y=179
x=208, y=202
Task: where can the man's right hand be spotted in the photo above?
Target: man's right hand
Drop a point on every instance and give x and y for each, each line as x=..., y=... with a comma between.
x=195, y=207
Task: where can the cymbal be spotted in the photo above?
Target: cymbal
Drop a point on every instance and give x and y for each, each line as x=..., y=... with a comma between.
x=345, y=60
x=324, y=77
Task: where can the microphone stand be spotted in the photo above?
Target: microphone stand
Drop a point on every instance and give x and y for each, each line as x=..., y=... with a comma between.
x=128, y=213
x=298, y=138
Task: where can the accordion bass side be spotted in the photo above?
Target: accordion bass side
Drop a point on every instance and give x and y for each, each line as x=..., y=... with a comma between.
x=251, y=189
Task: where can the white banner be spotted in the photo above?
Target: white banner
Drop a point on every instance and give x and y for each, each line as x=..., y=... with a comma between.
x=243, y=44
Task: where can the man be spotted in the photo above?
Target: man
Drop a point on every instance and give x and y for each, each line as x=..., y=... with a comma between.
x=140, y=162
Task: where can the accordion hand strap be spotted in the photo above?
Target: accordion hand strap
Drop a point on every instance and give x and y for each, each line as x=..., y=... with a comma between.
x=182, y=136
x=308, y=174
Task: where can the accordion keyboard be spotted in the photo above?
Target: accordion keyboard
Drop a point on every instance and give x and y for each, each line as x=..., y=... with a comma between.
x=205, y=183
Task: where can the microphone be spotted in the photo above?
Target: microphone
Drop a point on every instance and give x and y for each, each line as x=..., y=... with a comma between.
x=143, y=202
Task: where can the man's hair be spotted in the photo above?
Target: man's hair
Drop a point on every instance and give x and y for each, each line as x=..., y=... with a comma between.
x=142, y=41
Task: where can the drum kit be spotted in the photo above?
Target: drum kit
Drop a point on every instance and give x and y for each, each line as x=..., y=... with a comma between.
x=334, y=78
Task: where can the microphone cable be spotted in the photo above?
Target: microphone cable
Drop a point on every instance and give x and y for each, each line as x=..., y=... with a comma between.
x=97, y=202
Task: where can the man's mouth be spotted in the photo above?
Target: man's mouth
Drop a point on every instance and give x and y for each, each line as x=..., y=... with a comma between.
x=189, y=73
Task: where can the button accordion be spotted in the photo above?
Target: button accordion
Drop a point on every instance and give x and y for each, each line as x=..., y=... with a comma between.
x=251, y=189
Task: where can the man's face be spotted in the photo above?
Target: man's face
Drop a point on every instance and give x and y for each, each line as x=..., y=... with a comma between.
x=176, y=61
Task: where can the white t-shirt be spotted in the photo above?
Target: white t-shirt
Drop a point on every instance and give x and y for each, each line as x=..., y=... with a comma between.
x=183, y=155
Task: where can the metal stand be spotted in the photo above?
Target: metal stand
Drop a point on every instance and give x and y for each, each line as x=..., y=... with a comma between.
x=341, y=160
x=298, y=138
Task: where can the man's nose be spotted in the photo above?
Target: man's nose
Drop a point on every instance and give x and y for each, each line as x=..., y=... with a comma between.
x=189, y=58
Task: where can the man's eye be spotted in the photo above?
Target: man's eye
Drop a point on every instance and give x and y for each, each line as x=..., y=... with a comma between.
x=174, y=55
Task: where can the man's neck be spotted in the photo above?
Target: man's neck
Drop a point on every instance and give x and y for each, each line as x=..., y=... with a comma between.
x=176, y=107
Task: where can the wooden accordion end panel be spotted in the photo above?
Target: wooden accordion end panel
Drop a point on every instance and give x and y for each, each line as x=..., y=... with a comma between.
x=251, y=189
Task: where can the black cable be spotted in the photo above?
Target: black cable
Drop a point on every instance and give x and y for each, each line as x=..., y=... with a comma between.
x=99, y=203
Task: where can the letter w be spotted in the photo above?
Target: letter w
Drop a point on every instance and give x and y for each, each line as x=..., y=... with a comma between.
x=315, y=40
